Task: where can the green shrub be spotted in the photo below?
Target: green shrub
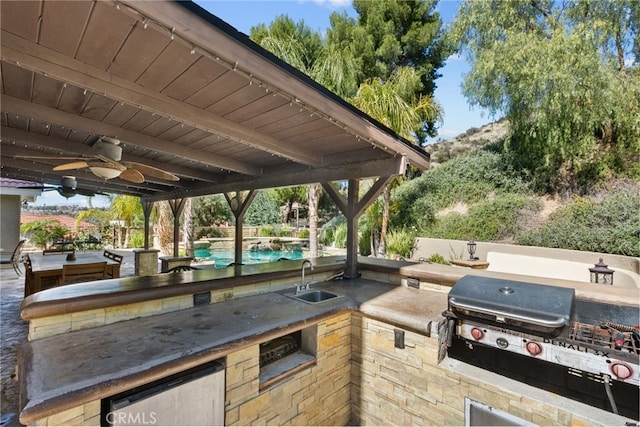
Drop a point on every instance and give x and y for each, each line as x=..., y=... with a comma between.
x=267, y=231
x=438, y=259
x=364, y=238
x=341, y=235
x=326, y=234
x=303, y=234
x=136, y=239
x=469, y=179
x=401, y=242
x=208, y=232
x=490, y=220
x=44, y=232
x=611, y=225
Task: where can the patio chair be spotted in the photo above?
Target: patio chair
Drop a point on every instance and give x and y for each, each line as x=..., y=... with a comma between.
x=13, y=258
x=76, y=273
x=28, y=278
x=180, y=268
x=112, y=255
x=115, y=257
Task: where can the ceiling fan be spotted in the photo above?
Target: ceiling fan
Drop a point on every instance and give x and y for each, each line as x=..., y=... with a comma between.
x=106, y=163
x=69, y=188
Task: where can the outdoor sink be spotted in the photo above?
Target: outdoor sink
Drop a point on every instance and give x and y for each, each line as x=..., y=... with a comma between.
x=313, y=296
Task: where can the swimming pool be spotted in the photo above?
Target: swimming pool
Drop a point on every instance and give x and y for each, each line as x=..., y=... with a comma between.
x=224, y=257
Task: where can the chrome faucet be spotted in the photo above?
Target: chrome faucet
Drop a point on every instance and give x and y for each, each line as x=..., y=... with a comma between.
x=304, y=286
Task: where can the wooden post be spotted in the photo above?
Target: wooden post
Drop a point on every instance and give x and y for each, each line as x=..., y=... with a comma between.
x=239, y=203
x=147, y=206
x=177, y=205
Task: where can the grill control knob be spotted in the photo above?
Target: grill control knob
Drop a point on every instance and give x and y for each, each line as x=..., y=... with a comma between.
x=477, y=334
x=621, y=370
x=534, y=348
x=502, y=343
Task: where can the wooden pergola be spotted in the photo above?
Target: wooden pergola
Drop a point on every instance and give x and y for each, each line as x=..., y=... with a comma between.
x=183, y=92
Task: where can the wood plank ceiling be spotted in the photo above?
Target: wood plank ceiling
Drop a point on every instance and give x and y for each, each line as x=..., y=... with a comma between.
x=183, y=92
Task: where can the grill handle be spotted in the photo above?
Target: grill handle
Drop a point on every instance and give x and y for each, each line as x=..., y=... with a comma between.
x=554, y=323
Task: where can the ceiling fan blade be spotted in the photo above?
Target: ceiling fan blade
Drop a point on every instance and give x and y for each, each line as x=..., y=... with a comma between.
x=132, y=175
x=109, y=164
x=88, y=193
x=151, y=171
x=70, y=166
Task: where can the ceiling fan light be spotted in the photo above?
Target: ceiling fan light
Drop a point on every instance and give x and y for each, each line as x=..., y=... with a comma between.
x=105, y=173
x=66, y=192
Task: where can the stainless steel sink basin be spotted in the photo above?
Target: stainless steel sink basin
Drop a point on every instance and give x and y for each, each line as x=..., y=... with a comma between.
x=314, y=296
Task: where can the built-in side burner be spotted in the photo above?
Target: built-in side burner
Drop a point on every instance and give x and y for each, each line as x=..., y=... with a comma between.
x=623, y=338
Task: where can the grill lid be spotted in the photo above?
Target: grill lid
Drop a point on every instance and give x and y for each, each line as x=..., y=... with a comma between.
x=528, y=305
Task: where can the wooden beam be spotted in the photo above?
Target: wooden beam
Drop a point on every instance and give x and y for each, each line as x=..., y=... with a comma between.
x=279, y=178
x=51, y=115
x=352, y=207
x=65, y=146
x=338, y=199
x=46, y=61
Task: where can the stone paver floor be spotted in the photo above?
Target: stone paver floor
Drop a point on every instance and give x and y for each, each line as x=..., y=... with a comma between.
x=13, y=332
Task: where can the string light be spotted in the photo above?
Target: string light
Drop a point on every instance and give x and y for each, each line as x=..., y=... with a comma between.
x=145, y=21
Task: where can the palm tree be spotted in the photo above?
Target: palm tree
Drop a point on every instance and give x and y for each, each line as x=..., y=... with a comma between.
x=328, y=64
x=163, y=228
x=393, y=104
x=127, y=209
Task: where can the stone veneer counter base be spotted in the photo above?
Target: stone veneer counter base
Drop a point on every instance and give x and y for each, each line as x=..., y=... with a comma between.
x=64, y=371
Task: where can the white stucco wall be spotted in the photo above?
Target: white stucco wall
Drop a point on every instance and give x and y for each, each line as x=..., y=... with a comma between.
x=534, y=261
x=9, y=221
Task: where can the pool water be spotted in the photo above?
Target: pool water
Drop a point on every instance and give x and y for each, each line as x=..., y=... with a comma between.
x=224, y=257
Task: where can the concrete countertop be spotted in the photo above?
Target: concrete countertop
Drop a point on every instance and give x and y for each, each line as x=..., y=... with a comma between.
x=128, y=290
x=61, y=372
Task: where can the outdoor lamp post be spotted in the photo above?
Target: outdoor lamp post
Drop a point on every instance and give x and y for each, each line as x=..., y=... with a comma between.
x=471, y=248
x=600, y=273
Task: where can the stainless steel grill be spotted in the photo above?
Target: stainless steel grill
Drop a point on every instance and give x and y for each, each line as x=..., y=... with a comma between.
x=546, y=336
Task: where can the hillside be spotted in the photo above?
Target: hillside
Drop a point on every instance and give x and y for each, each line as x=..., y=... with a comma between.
x=470, y=193
x=473, y=138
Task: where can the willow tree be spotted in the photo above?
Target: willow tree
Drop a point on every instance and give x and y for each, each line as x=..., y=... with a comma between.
x=566, y=76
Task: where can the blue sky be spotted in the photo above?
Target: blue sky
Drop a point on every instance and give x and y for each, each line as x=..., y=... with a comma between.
x=244, y=14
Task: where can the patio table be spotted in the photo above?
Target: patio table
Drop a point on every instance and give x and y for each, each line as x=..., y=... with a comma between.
x=47, y=269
